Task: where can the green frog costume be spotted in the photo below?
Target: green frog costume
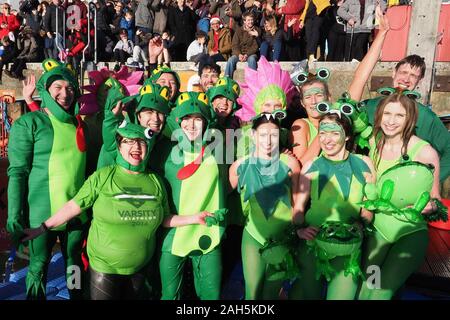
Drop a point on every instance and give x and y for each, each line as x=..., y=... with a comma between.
x=127, y=210
x=197, y=183
x=47, y=167
x=397, y=247
x=265, y=191
x=337, y=187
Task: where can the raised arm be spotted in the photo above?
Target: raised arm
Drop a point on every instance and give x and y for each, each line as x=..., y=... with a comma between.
x=365, y=68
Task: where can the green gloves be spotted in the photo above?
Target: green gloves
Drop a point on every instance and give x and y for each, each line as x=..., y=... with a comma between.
x=219, y=216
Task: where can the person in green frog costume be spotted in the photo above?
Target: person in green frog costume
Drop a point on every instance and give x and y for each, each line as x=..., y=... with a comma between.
x=335, y=181
x=400, y=240
x=268, y=184
x=47, y=162
x=197, y=184
x=149, y=108
x=129, y=203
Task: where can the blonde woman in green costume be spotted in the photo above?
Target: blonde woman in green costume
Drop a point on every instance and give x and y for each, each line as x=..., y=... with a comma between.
x=397, y=247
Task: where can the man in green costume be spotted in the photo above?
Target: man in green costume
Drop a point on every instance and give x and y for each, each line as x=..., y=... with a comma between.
x=407, y=74
x=47, y=167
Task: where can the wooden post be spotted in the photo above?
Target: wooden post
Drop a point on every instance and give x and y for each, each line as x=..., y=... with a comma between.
x=422, y=39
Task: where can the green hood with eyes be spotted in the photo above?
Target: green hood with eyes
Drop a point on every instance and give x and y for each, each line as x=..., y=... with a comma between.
x=133, y=131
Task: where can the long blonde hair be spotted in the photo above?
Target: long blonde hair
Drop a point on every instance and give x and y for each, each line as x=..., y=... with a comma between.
x=272, y=21
x=410, y=123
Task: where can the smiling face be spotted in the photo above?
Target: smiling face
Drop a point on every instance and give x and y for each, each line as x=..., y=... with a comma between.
x=312, y=94
x=152, y=119
x=208, y=78
x=393, y=119
x=168, y=80
x=192, y=126
x=63, y=93
x=331, y=137
x=133, y=151
x=406, y=77
x=267, y=139
x=222, y=106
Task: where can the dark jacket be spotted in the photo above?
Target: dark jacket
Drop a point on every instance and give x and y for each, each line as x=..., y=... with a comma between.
x=244, y=43
x=182, y=24
x=50, y=19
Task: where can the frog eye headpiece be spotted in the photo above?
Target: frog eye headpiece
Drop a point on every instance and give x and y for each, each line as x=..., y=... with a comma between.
x=55, y=70
x=301, y=74
x=153, y=96
x=344, y=108
x=189, y=103
x=227, y=88
x=387, y=91
x=156, y=74
x=133, y=131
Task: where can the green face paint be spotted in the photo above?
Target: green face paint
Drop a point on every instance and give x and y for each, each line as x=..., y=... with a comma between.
x=312, y=91
x=331, y=126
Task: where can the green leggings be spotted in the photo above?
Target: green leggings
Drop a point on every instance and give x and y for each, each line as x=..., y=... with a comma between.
x=340, y=287
x=40, y=254
x=207, y=274
x=256, y=271
x=397, y=261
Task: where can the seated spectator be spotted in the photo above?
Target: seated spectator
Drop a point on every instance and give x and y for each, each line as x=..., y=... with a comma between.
x=76, y=42
x=272, y=40
x=245, y=45
x=123, y=49
x=8, y=22
x=140, y=50
x=197, y=48
x=127, y=23
x=165, y=56
x=7, y=54
x=228, y=11
x=219, y=43
x=28, y=52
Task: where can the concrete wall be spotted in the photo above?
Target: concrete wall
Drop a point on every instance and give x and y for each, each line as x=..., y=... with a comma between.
x=341, y=76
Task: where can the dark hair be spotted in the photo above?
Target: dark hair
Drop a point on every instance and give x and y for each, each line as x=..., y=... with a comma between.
x=248, y=14
x=200, y=34
x=410, y=122
x=262, y=119
x=208, y=64
x=414, y=61
x=123, y=31
x=346, y=125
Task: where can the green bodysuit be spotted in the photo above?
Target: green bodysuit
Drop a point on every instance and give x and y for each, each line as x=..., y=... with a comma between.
x=266, y=202
x=312, y=131
x=397, y=247
x=127, y=210
x=336, y=189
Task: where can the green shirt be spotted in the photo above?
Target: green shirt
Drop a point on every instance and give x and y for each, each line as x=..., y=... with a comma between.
x=127, y=210
x=429, y=128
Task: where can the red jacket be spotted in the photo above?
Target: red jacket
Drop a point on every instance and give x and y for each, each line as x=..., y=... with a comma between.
x=12, y=24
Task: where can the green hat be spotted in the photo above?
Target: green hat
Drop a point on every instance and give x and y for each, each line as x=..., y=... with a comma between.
x=133, y=131
x=159, y=71
x=53, y=71
x=227, y=88
x=151, y=96
x=191, y=103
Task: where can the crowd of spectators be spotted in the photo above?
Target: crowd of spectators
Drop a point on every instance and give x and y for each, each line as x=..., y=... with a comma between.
x=190, y=30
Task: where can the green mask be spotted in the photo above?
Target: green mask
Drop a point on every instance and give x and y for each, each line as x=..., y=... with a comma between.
x=330, y=127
